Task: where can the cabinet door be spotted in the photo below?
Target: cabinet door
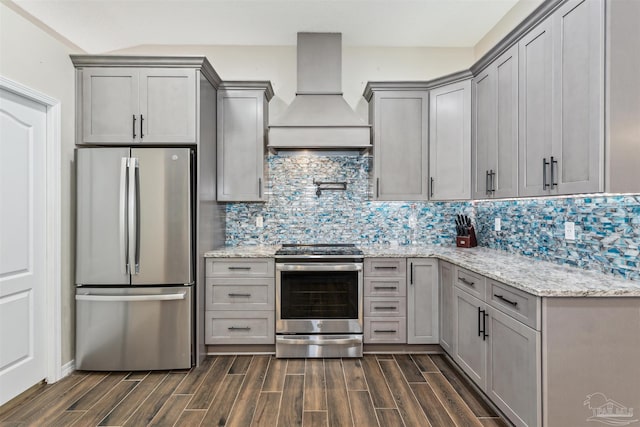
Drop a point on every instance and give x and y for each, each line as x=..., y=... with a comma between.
x=514, y=369
x=504, y=182
x=109, y=99
x=446, y=306
x=167, y=105
x=578, y=96
x=534, y=111
x=400, y=145
x=484, y=132
x=469, y=347
x=240, y=145
x=450, y=142
x=422, y=300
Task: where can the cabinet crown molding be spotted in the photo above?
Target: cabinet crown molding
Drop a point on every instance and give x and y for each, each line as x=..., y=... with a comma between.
x=264, y=85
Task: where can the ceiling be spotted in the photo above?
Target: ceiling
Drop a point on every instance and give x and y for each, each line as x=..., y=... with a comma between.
x=101, y=26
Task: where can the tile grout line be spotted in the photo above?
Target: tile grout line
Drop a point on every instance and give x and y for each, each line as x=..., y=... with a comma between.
x=389, y=387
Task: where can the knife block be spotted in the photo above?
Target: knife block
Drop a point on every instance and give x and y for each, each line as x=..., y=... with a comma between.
x=467, y=241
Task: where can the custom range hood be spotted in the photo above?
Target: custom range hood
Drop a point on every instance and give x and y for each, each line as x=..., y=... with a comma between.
x=319, y=117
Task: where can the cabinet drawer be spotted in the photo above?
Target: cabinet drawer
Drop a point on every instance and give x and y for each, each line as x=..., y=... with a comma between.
x=245, y=267
x=231, y=327
x=390, y=330
x=387, y=267
x=385, y=307
x=517, y=304
x=385, y=287
x=470, y=282
x=240, y=294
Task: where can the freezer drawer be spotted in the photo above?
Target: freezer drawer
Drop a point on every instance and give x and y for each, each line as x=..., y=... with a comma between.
x=130, y=329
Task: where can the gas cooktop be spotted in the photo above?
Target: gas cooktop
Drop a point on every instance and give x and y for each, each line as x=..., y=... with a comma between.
x=333, y=250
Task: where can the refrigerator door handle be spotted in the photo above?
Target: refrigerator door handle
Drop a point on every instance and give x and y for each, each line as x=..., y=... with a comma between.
x=134, y=258
x=121, y=298
x=124, y=246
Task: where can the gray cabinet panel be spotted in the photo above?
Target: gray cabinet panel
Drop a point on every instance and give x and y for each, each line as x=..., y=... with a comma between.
x=450, y=142
x=513, y=370
x=241, y=133
x=168, y=105
x=535, y=80
x=109, y=98
x=422, y=300
x=483, y=132
x=447, y=330
x=469, y=348
x=400, y=120
x=385, y=330
x=578, y=96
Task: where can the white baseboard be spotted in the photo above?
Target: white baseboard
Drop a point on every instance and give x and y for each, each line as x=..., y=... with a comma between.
x=68, y=368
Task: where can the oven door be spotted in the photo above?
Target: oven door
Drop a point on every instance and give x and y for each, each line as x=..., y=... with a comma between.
x=317, y=297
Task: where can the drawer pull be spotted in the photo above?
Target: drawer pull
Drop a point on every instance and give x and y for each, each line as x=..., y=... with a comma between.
x=385, y=287
x=385, y=267
x=466, y=282
x=239, y=295
x=239, y=328
x=385, y=331
x=240, y=268
x=500, y=297
x=385, y=308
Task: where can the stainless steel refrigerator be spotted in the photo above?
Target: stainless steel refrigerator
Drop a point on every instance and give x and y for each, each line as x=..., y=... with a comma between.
x=134, y=258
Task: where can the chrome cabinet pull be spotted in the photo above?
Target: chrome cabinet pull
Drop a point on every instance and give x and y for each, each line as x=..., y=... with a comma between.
x=553, y=178
x=544, y=173
x=385, y=267
x=385, y=287
x=500, y=297
x=465, y=281
x=239, y=295
x=239, y=268
x=385, y=308
x=239, y=328
x=432, y=180
x=385, y=331
x=141, y=122
x=134, y=126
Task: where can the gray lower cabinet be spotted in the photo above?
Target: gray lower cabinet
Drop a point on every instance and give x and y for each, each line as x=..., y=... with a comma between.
x=446, y=277
x=400, y=144
x=450, y=142
x=422, y=301
x=123, y=105
x=240, y=307
x=242, y=123
x=494, y=135
x=385, y=301
x=470, y=344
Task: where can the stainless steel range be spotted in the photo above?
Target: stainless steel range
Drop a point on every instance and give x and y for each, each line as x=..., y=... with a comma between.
x=319, y=301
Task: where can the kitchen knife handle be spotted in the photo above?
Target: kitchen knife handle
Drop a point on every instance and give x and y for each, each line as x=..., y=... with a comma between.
x=133, y=128
x=553, y=175
x=141, y=123
x=544, y=173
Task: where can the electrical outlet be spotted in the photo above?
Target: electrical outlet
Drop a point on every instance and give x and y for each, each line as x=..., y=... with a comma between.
x=259, y=221
x=498, y=225
x=569, y=230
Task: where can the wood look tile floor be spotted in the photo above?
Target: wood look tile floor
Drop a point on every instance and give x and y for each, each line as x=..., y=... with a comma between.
x=377, y=390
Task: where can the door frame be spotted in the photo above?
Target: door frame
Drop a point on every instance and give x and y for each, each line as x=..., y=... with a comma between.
x=53, y=240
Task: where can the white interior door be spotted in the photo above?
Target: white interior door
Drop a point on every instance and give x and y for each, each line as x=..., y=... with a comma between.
x=22, y=244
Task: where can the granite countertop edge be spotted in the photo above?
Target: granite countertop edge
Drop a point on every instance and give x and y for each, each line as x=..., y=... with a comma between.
x=540, y=278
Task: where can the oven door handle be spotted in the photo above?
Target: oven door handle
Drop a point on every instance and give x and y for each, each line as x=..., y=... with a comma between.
x=320, y=267
x=331, y=341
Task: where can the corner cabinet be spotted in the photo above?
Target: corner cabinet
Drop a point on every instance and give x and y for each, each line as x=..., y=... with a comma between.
x=122, y=105
x=242, y=124
x=450, y=142
x=422, y=301
x=446, y=276
x=399, y=120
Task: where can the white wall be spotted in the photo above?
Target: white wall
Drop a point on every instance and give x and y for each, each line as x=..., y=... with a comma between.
x=32, y=57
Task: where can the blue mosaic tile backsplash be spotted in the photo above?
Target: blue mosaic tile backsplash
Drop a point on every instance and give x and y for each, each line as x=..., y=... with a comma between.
x=607, y=227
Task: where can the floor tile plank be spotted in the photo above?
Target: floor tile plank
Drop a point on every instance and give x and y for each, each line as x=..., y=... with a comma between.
x=362, y=409
x=218, y=412
x=389, y=417
x=291, y=406
x=295, y=367
x=245, y=405
x=339, y=413
x=314, y=419
x=408, y=406
x=196, y=376
x=190, y=418
x=65, y=419
x=384, y=356
x=409, y=369
x=150, y=407
x=354, y=374
x=380, y=394
x=171, y=410
x=315, y=394
x=96, y=393
x=240, y=365
x=455, y=406
x=101, y=409
x=137, y=376
x=274, y=381
x=132, y=402
x=431, y=405
x=266, y=414
x=210, y=385
x=424, y=363
x=477, y=405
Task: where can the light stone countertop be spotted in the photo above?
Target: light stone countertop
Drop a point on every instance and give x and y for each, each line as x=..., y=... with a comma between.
x=539, y=278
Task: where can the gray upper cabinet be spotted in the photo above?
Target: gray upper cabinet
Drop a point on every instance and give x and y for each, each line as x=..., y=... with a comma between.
x=422, y=301
x=495, y=128
x=137, y=105
x=400, y=144
x=450, y=142
x=242, y=123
